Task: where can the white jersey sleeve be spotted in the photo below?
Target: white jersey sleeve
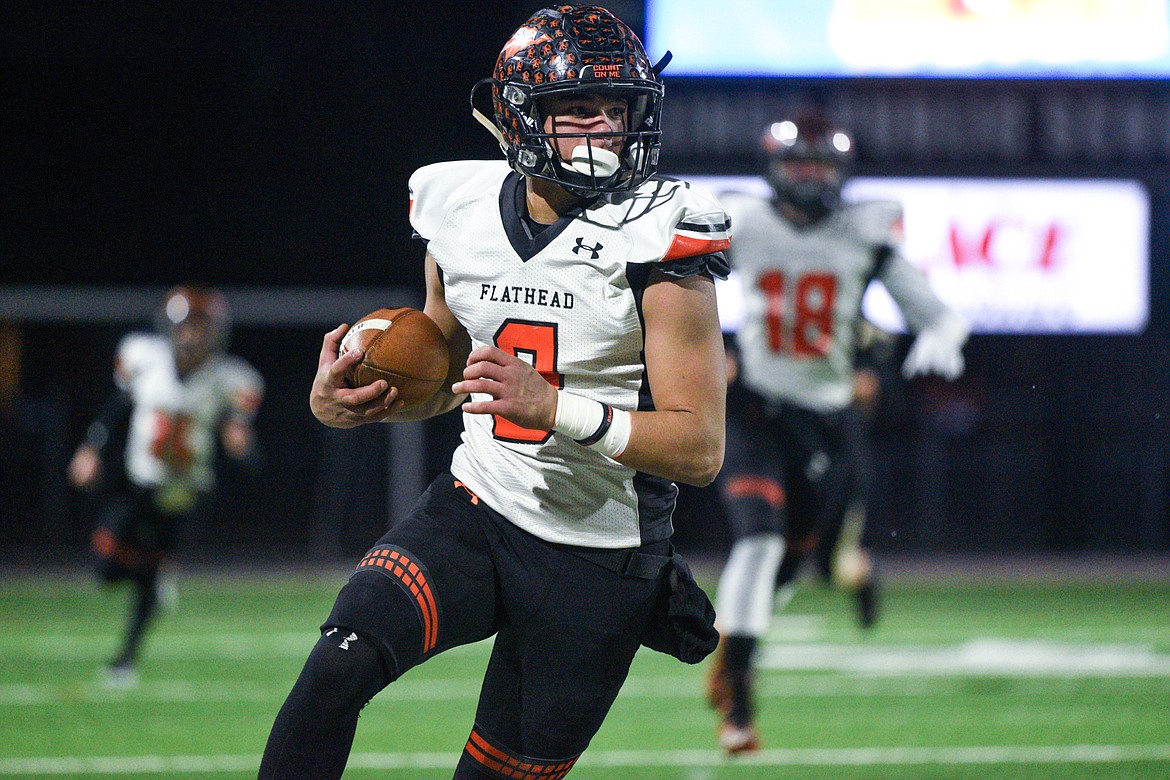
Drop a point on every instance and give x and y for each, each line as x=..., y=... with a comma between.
x=435, y=188
x=877, y=222
x=243, y=388
x=678, y=226
x=880, y=223
x=137, y=352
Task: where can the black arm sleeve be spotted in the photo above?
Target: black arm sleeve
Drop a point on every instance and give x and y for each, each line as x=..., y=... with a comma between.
x=714, y=264
x=107, y=432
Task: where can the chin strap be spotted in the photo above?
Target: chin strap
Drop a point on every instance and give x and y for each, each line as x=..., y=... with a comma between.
x=483, y=120
x=489, y=124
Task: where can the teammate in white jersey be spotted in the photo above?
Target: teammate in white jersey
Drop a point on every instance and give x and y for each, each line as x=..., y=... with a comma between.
x=576, y=294
x=178, y=398
x=804, y=260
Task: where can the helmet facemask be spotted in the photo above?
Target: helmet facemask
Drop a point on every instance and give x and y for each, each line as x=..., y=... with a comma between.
x=596, y=163
x=814, y=195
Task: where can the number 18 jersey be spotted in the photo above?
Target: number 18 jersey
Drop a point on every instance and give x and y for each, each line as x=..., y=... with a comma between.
x=568, y=301
x=802, y=291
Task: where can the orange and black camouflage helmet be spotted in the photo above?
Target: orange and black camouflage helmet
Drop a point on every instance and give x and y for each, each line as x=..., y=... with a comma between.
x=576, y=48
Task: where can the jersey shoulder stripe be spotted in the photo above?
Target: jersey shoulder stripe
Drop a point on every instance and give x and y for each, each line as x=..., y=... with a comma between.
x=435, y=188
x=672, y=220
x=687, y=244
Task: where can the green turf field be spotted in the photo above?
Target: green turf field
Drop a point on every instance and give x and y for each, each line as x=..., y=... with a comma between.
x=962, y=681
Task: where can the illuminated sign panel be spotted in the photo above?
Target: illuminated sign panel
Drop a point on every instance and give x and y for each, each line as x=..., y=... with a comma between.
x=1012, y=255
x=913, y=38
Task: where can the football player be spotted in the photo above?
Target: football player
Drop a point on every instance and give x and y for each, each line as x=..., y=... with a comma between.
x=576, y=292
x=804, y=259
x=178, y=396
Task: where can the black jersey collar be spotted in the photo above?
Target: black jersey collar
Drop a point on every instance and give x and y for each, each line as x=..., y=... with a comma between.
x=513, y=210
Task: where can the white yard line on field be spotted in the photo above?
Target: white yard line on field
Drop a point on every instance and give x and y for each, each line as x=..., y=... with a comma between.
x=453, y=689
x=987, y=755
x=859, y=671
x=987, y=656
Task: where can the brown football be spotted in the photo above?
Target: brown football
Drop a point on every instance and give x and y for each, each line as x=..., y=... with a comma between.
x=404, y=347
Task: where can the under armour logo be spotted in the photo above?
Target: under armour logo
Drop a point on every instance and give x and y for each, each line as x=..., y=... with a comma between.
x=345, y=642
x=594, y=251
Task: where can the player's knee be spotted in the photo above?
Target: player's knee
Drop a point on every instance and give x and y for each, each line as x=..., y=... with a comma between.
x=764, y=549
x=753, y=563
x=378, y=606
x=343, y=671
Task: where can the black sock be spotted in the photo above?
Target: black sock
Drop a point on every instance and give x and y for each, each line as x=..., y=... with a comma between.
x=314, y=730
x=142, y=612
x=738, y=655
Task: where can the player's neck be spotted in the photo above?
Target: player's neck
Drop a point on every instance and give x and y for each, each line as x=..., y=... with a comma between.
x=794, y=215
x=547, y=201
x=185, y=365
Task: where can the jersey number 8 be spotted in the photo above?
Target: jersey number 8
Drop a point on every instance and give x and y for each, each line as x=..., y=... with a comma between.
x=535, y=342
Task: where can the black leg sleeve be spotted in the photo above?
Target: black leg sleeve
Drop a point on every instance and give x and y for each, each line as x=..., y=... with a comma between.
x=141, y=614
x=314, y=730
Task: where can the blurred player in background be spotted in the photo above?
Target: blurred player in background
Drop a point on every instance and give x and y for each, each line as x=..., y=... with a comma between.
x=575, y=291
x=152, y=448
x=804, y=260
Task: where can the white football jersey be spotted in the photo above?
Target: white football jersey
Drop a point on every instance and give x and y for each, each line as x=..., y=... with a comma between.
x=569, y=302
x=802, y=291
x=174, y=425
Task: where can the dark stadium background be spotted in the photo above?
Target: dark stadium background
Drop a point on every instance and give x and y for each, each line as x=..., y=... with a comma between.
x=268, y=146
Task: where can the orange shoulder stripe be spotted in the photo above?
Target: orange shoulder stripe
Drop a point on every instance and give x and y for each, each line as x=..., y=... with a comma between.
x=689, y=246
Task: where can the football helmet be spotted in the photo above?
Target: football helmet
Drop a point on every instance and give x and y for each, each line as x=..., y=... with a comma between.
x=573, y=49
x=808, y=138
x=189, y=303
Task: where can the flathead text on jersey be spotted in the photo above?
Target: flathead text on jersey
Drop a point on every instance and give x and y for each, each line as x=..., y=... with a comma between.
x=531, y=296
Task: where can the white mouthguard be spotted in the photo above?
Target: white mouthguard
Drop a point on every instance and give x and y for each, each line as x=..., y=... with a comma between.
x=603, y=163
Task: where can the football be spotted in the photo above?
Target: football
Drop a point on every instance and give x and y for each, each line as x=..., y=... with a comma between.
x=404, y=347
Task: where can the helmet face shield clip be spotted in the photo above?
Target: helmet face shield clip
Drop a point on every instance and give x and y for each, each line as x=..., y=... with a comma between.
x=515, y=94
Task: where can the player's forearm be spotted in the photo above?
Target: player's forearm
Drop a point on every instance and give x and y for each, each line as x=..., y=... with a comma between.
x=110, y=424
x=683, y=446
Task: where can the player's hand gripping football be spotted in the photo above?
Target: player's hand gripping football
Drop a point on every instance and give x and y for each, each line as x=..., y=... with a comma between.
x=518, y=392
x=337, y=404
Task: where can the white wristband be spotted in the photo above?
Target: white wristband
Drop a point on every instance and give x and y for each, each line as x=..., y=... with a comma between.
x=593, y=424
